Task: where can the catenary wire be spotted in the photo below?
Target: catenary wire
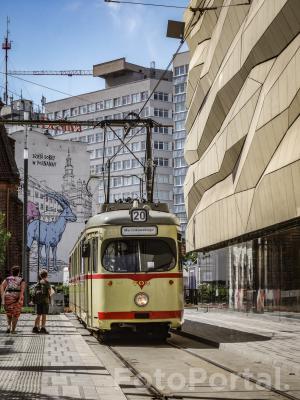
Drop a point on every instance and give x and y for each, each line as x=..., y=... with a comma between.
x=144, y=4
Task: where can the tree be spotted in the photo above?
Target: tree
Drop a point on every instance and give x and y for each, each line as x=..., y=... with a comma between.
x=4, y=237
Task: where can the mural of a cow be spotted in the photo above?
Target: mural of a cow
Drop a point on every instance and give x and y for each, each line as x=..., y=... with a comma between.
x=49, y=234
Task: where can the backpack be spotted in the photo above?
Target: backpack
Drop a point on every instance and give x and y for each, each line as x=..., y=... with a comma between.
x=40, y=293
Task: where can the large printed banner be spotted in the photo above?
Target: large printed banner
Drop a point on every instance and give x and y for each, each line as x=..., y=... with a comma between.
x=58, y=200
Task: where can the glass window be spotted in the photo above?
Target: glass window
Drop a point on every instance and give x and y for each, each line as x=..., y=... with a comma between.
x=179, y=144
x=180, y=88
x=179, y=107
x=127, y=180
x=90, y=138
x=145, y=112
x=117, y=181
x=135, y=163
x=100, y=105
x=126, y=164
x=82, y=109
x=135, y=146
x=99, y=137
x=135, y=98
x=117, y=149
x=161, y=112
x=110, y=135
x=74, y=111
x=95, y=254
x=161, y=162
x=117, y=165
x=139, y=255
x=66, y=113
x=98, y=153
x=58, y=115
x=161, y=96
x=91, y=107
x=109, y=151
x=144, y=95
x=126, y=99
x=178, y=180
x=117, y=102
x=178, y=199
x=179, y=125
x=108, y=104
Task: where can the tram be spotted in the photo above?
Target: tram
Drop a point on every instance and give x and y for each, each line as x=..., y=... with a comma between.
x=125, y=271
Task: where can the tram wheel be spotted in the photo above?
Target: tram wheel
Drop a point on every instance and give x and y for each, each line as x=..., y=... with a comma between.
x=104, y=337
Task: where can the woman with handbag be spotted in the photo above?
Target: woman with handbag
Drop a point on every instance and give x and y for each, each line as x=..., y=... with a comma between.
x=12, y=289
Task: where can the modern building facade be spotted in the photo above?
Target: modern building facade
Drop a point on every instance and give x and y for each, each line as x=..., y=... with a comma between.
x=180, y=71
x=128, y=87
x=242, y=190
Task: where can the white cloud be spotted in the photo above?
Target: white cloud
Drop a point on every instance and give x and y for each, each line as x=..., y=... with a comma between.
x=73, y=5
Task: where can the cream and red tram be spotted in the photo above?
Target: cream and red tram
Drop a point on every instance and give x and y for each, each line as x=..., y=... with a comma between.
x=125, y=271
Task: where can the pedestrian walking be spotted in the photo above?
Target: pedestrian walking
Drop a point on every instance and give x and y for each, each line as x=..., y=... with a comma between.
x=42, y=293
x=12, y=291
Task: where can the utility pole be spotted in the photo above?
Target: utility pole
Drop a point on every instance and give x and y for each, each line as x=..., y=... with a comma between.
x=25, y=270
x=149, y=165
x=6, y=46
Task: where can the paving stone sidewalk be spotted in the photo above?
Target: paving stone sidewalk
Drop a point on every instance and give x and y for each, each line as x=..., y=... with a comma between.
x=270, y=340
x=49, y=367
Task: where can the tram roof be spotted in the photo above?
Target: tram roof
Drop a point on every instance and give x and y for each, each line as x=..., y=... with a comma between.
x=122, y=217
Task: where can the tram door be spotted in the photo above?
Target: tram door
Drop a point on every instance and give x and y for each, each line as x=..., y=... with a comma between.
x=89, y=283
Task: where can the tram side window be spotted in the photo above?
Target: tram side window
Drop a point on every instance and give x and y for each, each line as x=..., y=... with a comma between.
x=95, y=255
x=121, y=256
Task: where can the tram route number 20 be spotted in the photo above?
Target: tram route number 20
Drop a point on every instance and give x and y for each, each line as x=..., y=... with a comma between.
x=139, y=215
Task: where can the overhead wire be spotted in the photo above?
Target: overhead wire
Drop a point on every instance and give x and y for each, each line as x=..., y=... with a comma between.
x=144, y=4
x=80, y=97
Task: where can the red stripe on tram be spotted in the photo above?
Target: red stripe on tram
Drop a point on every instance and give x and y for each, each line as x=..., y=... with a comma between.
x=133, y=314
x=135, y=277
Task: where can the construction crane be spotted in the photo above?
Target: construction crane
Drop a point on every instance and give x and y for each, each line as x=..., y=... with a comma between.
x=80, y=72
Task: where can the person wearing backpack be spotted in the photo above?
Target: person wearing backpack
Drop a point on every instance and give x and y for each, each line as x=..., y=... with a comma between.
x=41, y=298
x=12, y=289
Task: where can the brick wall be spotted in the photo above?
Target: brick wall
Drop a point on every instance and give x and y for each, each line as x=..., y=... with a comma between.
x=12, y=207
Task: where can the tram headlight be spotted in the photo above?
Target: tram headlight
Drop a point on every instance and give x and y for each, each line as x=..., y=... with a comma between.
x=141, y=299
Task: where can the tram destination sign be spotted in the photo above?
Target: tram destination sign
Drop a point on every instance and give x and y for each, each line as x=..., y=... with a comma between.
x=139, y=230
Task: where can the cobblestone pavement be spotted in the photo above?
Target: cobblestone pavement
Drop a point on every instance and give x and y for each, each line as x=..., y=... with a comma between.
x=265, y=339
x=56, y=366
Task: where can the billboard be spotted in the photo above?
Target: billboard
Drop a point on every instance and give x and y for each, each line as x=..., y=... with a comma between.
x=58, y=200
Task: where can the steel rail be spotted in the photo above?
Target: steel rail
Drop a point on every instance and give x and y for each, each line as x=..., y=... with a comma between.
x=153, y=390
x=271, y=388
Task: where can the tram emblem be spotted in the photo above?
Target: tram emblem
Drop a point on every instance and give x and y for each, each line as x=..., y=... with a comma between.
x=141, y=284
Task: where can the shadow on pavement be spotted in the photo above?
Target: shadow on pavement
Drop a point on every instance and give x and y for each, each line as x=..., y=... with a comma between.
x=217, y=335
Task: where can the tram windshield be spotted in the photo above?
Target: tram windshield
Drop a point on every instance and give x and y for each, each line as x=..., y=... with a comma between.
x=139, y=255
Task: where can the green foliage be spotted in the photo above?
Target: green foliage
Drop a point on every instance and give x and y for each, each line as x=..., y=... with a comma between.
x=62, y=289
x=4, y=237
x=189, y=259
x=213, y=292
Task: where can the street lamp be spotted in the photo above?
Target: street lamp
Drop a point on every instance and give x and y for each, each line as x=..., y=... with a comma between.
x=25, y=202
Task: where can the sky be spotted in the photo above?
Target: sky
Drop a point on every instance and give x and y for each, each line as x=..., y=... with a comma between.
x=76, y=34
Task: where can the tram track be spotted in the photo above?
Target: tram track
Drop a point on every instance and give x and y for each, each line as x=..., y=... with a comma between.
x=151, y=391
x=271, y=388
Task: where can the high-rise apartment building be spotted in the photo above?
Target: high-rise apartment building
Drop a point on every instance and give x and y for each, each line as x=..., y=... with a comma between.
x=180, y=71
x=128, y=87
